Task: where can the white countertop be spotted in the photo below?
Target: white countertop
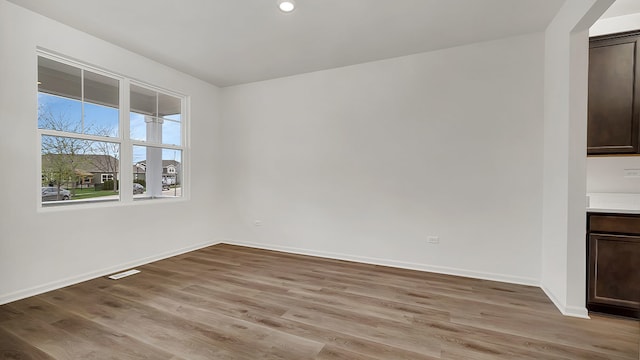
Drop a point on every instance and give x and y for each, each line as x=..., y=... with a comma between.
x=623, y=203
x=614, y=211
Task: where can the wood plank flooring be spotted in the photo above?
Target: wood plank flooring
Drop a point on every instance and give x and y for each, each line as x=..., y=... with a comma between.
x=230, y=302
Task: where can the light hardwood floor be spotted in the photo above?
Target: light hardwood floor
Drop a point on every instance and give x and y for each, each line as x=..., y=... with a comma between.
x=230, y=302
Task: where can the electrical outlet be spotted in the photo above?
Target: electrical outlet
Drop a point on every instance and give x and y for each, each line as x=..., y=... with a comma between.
x=433, y=239
x=631, y=172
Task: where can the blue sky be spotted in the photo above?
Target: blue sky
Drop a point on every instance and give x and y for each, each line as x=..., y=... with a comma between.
x=101, y=120
x=98, y=119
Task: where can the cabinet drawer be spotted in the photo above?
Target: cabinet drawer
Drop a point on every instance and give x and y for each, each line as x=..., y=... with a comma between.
x=617, y=224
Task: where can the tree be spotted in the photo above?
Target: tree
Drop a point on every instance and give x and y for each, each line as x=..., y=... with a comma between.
x=61, y=156
x=107, y=156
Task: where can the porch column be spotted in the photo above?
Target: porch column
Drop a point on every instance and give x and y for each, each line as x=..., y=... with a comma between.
x=154, y=156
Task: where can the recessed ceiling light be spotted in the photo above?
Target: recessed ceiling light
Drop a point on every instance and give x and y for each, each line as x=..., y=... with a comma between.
x=287, y=5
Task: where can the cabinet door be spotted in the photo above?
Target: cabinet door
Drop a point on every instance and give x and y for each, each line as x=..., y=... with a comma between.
x=613, y=116
x=614, y=274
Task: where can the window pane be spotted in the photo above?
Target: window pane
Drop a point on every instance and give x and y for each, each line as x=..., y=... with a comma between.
x=101, y=120
x=100, y=89
x=138, y=126
x=59, y=79
x=101, y=96
x=59, y=113
x=143, y=101
x=172, y=172
x=144, y=104
x=158, y=171
x=169, y=106
x=170, y=109
x=61, y=103
x=155, y=117
x=171, y=132
x=59, y=96
x=79, y=170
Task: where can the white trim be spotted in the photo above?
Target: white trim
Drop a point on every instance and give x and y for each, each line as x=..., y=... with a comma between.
x=106, y=177
x=96, y=203
x=58, y=133
x=156, y=145
x=36, y=290
x=573, y=311
x=393, y=263
x=126, y=149
x=553, y=298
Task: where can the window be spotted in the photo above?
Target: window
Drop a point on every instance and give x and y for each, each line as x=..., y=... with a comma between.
x=107, y=177
x=155, y=121
x=82, y=134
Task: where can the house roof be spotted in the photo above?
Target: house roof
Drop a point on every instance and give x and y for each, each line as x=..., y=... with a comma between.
x=85, y=164
x=140, y=166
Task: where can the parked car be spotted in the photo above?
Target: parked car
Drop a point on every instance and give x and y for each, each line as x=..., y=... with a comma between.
x=50, y=193
x=165, y=187
x=137, y=188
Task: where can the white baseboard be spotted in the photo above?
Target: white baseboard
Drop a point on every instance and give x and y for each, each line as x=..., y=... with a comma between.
x=21, y=294
x=576, y=311
x=579, y=312
x=392, y=263
x=573, y=311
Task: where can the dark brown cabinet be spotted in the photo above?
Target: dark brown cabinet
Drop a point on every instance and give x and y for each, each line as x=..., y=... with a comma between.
x=614, y=94
x=613, y=247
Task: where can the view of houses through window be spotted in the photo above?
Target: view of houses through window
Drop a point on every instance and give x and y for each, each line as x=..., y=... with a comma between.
x=82, y=136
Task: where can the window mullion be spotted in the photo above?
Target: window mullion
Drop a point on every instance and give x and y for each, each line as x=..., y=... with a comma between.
x=155, y=145
x=82, y=101
x=126, y=150
x=78, y=136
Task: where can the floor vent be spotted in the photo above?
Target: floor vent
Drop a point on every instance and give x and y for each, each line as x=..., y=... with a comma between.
x=123, y=274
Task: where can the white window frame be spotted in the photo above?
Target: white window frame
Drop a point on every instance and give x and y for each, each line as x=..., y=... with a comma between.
x=123, y=140
x=183, y=134
x=105, y=177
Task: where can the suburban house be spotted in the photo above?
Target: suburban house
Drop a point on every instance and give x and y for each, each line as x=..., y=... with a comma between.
x=87, y=170
x=358, y=179
x=171, y=171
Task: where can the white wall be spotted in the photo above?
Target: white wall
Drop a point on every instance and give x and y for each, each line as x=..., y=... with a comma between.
x=40, y=250
x=364, y=162
x=607, y=175
x=563, y=275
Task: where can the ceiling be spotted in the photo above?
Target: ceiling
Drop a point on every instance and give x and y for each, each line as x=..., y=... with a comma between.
x=228, y=42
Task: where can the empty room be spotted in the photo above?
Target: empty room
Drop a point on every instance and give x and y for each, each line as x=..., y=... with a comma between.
x=320, y=179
